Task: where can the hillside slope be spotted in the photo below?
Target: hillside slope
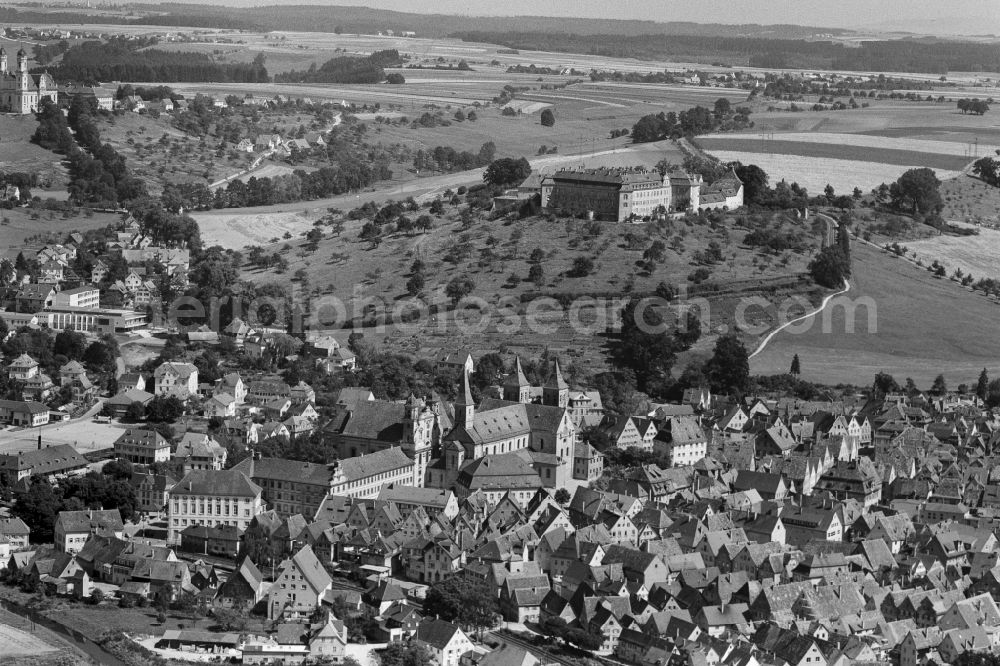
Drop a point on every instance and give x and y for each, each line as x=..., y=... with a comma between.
x=924, y=326
x=497, y=257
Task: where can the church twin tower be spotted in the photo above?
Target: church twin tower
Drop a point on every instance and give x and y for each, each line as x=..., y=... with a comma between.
x=555, y=392
x=20, y=91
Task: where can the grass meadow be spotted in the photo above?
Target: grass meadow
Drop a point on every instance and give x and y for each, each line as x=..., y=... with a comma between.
x=925, y=326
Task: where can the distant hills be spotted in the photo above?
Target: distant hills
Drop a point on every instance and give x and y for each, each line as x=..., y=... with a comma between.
x=771, y=46
x=325, y=18
x=749, y=18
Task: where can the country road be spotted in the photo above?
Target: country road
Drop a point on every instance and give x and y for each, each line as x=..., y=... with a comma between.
x=829, y=238
x=822, y=306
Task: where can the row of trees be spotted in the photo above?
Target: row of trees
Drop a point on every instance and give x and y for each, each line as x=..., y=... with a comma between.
x=348, y=176
x=446, y=159
x=974, y=105
x=98, y=172
x=782, y=86
x=985, y=389
x=100, y=176
x=692, y=122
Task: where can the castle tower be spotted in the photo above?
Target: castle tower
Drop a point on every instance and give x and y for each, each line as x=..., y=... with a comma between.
x=555, y=392
x=516, y=388
x=465, y=407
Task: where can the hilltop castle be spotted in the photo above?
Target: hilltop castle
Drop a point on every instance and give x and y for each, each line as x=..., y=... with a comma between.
x=21, y=92
x=622, y=194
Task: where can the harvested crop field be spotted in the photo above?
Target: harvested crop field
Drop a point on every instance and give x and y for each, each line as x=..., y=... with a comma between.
x=985, y=134
x=976, y=255
x=904, y=143
x=888, y=119
x=236, y=230
x=815, y=173
x=838, y=151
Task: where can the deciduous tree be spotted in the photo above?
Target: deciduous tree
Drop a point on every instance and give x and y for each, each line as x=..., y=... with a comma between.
x=917, y=191
x=728, y=370
x=471, y=605
x=507, y=171
x=830, y=267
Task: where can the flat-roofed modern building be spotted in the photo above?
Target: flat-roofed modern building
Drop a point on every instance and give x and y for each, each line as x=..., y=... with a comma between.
x=97, y=321
x=87, y=296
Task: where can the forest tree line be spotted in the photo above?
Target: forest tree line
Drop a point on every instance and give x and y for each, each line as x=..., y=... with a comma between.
x=121, y=60
x=889, y=55
x=348, y=175
x=346, y=69
x=98, y=175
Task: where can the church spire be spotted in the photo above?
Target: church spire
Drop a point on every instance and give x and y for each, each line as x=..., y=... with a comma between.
x=555, y=392
x=519, y=372
x=465, y=406
x=556, y=380
x=517, y=388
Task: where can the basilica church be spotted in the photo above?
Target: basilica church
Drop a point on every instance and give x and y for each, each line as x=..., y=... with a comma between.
x=21, y=92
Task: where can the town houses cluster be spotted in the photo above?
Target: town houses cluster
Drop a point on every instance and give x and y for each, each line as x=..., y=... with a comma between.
x=752, y=531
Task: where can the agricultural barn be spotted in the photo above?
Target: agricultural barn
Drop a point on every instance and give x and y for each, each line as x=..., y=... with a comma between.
x=725, y=193
x=198, y=641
